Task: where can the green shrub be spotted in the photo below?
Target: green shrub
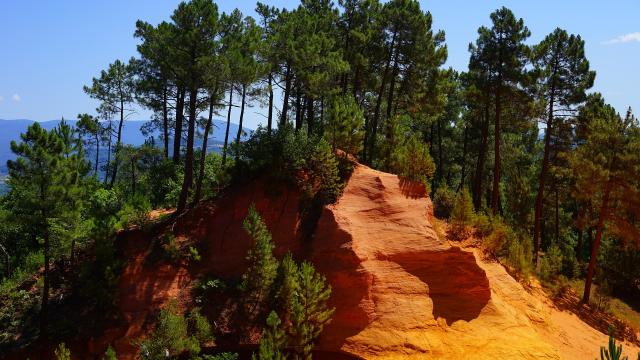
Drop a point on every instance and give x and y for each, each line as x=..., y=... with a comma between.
x=170, y=248
x=170, y=336
x=551, y=263
x=462, y=212
x=482, y=225
x=194, y=255
x=519, y=254
x=443, y=201
x=200, y=327
x=110, y=354
x=203, y=288
x=497, y=240
x=62, y=352
x=415, y=162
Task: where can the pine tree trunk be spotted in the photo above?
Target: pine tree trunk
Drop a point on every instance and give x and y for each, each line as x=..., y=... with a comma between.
x=44, y=307
x=165, y=122
x=482, y=156
x=298, y=107
x=188, y=161
x=95, y=167
x=226, y=133
x=310, y=116
x=244, y=96
x=541, y=182
x=114, y=173
x=376, y=114
x=604, y=208
x=287, y=93
x=270, y=116
x=203, y=152
x=177, y=133
x=108, y=166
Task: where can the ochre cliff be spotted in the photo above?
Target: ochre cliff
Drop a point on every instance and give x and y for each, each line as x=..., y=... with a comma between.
x=401, y=292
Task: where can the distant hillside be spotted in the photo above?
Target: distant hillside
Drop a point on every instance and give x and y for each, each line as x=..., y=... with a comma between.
x=131, y=134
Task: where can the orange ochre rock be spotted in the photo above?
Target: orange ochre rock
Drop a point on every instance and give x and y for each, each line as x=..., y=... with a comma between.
x=401, y=292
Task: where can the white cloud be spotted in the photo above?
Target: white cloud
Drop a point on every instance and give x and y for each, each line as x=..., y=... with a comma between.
x=16, y=98
x=635, y=36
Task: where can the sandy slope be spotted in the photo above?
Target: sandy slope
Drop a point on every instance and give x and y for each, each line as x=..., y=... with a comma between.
x=401, y=292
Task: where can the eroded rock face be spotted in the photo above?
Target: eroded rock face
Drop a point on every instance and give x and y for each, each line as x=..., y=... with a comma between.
x=400, y=291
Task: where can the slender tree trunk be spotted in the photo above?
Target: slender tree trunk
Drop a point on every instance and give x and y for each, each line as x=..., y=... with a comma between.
x=270, y=116
x=482, y=156
x=376, y=114
x=298, y=107
x=226, y=133
x=165, y=122
x=541, y=181
x=287, y=93
x=495, y=197
x=604, y=208
x=392, y=85
x=188, y=161
x=177, y=134
x=244, y=95
x=114, y=173
x=95, y=167
x=310, y=116
x=108, y=166
x=203, y=152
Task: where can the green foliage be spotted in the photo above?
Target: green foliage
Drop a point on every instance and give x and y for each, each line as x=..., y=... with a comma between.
x=263, y=266
x=613, y=352
x=293, y=157
x=345, y=122
x=414, y=161
x=273, y=340
x=170, y=247
x=200, y=327
x=462, y=213
x=110, y=354
x=172, y=335
x=309, y=312
x=443, y=201
x=323, y=177
x=551, y=264
x=205, y=287
x=62, y=352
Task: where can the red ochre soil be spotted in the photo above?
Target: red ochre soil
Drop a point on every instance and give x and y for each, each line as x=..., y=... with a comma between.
x=400, y=291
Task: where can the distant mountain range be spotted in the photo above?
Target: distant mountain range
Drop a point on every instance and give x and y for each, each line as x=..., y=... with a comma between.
x=131, y=134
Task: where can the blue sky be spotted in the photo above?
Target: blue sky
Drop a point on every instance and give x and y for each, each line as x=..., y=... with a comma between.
x=50, y=49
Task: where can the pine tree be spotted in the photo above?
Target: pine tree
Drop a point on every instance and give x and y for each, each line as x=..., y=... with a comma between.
x=273, y=340
x=462, y=213
x=45, y=182
x=606, y=172
x=263, y=266
x=90, y=128
x=565, y=76
x=115, y=89
x=309, y=313
x=501, y=53
x=344, y=128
